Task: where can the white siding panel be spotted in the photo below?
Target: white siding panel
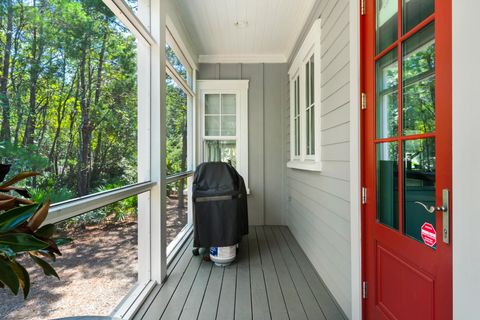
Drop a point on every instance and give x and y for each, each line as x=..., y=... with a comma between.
x=319, y=202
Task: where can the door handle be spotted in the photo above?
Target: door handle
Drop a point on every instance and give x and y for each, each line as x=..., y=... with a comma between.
x=444, y=208
x=431, y=209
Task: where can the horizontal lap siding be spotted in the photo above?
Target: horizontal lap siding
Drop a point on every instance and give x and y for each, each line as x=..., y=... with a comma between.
x=318, y=202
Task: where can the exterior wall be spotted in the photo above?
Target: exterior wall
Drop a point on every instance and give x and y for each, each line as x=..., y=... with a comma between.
x=319, y=202
x=466, y=159
x=266, y=104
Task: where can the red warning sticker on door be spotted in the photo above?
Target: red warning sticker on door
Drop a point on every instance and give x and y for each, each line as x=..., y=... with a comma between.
x=429, y=235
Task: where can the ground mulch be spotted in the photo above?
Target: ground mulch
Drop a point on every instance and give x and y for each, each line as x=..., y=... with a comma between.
x=96, y=271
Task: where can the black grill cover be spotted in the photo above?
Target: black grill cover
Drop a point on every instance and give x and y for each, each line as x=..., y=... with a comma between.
x=219, y=205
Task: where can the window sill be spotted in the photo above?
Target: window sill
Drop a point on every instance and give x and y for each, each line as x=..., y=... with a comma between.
x=305, y=165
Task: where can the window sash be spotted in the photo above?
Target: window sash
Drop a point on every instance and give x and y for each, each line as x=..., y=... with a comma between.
x=305, y=123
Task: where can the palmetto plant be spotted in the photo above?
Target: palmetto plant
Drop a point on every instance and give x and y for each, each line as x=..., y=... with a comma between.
x=22, y=233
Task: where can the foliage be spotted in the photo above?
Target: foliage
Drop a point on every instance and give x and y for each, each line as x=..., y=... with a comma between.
x=67, y=95
x=21, y=232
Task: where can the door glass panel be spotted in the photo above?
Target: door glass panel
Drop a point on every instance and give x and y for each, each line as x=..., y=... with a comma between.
x=387, y=92
x=212, y=125
x=212, y=104
x=387, y=184
x=221, y=150
x=228, y=104
x=415, y=11
x=387, y=24
x=419, y=185
x=419, y=82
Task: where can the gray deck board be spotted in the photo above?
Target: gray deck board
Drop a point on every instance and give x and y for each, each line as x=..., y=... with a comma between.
x=278, y=309
x=226, y=305
x=327, y=304
x=292, y=300
x=271, y=279
x=195, y=297
x=208, y=311
x=243, y=298
x=310, y=304
x=260, y=306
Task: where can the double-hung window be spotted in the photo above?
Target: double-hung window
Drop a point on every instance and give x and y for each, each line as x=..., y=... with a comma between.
x=305, y=104
x=223, y=123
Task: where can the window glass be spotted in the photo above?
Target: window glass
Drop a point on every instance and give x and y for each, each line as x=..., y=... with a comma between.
x=419, y=185
x=212, y=104
x=387, y=24
x=220, y=115
x=96, y=270
x=172, y=57
x=415, y=11
x=177, y=128
x=419, y=82
x=69, y=103
x=387, y=184
x=221, y=150
x=310, y=107
x=296, y=116
x=386, y=116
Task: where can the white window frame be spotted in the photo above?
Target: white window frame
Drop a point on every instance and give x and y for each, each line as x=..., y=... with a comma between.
x=240, y=89
x=173, y=39
x=309, y=47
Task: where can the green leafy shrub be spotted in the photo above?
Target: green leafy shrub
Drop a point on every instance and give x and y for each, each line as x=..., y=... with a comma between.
x=21, y=232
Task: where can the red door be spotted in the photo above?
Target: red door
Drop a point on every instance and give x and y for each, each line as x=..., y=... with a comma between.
x=406, y=68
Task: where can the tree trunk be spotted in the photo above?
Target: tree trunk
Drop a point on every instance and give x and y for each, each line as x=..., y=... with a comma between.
x=181, y=184
x=5, y=129
x=37, y=52
x=85, y=131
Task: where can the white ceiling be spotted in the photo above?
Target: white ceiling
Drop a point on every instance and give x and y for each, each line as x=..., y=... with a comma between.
x=273, y=28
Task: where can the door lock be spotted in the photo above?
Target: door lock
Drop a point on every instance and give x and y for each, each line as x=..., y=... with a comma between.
x=444, y=208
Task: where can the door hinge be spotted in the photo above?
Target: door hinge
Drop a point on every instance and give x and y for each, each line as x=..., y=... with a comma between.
x=364, y=101
x=362, y=7
x=364, y=290
x=364, y=195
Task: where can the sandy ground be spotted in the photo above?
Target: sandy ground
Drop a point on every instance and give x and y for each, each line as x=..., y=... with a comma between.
x=96, y=271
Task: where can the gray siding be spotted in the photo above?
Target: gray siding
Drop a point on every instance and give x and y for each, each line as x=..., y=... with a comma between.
x=318, y=203
x=266, y=107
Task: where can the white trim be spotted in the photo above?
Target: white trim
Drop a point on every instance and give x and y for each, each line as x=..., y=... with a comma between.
x=126, y=15
x=247, y=58
x=310, y=46
x=304, y=165
x=174, y=247
x=71, y=208
x=182, y=83
x=240, y=88
x=133, y=301
x=157, y=237
x=355, y=163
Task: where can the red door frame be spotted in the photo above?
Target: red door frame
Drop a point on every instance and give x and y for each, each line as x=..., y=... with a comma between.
x=443, y=99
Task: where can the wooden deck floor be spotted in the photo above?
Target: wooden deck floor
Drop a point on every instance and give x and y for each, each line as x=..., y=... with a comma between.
x=271, y=279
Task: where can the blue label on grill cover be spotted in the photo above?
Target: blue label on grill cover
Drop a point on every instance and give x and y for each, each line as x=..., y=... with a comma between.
x=214, y=251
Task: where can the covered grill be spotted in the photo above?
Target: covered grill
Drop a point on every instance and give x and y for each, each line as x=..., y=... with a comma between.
x=220, y=206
